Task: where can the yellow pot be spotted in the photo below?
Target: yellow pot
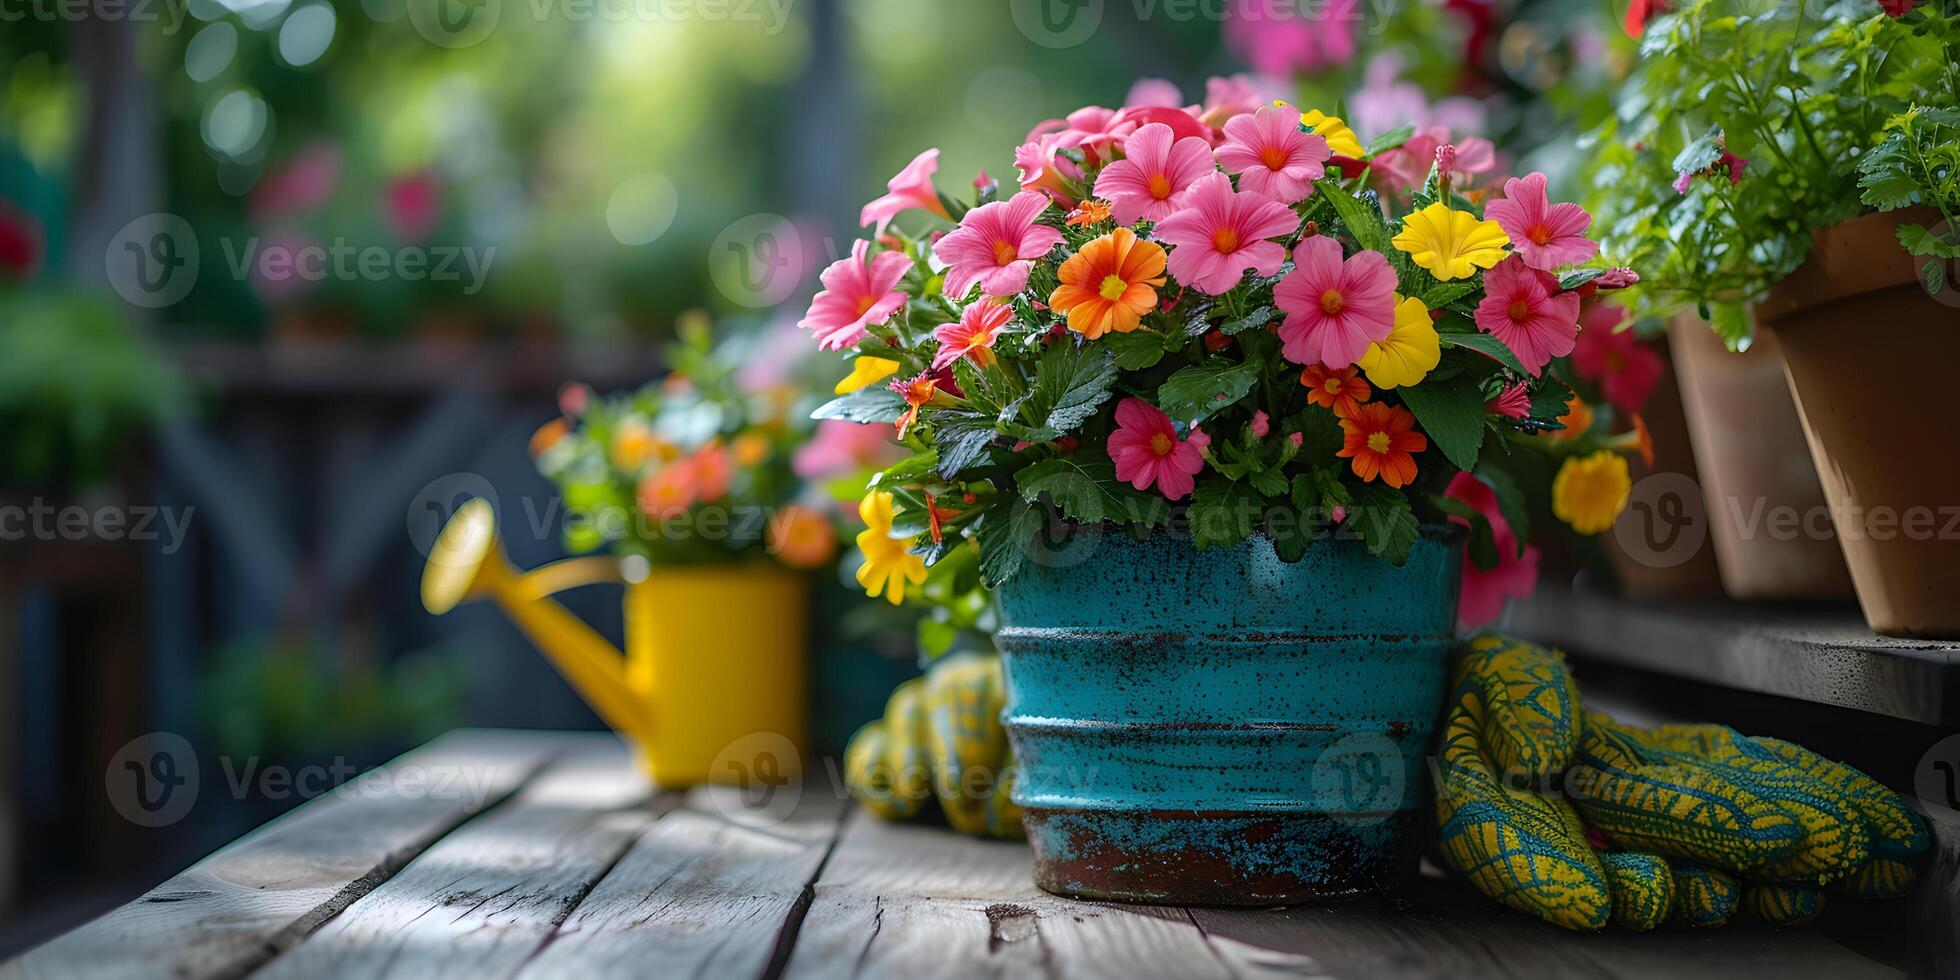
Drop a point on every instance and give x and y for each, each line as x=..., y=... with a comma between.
x=712, y=686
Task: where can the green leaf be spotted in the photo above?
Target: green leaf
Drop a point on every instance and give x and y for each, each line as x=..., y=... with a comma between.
x=1223, y=513
x=1733, y=324
x=1136, y=350
x=1444, y=293
x=1573, y=279
x=1320, y=434
x=1548, y=401
x=1483, y=545
x=1486, y=345
x=961, y=439
x=1885, y=175
x=866, y=405
x=1700, y=154
x=1920, y=241
x=1070, y=384
x=1934, y=275
x=1452, y=414
x=1194, y=393
x=1086, y=490
x=1007, y=532
x=1291, y=532
x=1381, y=515
x=1251, y=321
x=1271, y=483
x=1363, y=220
x=1390, y=140
x=990, y=389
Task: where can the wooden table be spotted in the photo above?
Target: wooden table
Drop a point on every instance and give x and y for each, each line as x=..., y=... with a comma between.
x=534, y=854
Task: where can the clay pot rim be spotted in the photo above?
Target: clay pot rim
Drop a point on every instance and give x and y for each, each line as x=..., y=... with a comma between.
x=1847, y=259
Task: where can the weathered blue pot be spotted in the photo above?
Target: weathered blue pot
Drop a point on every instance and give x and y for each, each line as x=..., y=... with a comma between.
x=1221, y=727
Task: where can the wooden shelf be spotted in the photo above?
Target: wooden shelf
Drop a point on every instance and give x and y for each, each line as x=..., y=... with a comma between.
x=1823, y=656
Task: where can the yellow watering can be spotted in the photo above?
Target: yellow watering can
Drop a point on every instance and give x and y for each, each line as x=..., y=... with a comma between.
x=712, y=685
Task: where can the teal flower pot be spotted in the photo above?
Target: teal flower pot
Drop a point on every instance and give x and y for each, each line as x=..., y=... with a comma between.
x=1221, y=727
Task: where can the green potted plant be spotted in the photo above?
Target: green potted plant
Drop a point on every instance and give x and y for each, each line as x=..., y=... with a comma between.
x=1222, y=432
x=1771, y=168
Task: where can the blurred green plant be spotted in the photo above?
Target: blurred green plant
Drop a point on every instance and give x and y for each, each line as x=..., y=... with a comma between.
x=292, y=698
x=76, y=383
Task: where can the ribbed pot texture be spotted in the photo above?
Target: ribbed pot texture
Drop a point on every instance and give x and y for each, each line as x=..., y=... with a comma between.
x=1221, y=727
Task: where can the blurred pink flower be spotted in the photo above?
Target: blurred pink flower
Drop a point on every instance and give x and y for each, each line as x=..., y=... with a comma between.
x=1484, y=594
x=1220, y=233
x=996, y=245
x=1385, y=103
x=839, y=448
x=1230, y=96
x=1153, y=92
x=20, y=241
x=1044, y=169
x=1408, y=165
x=858, y=292
x=412, y=205
x=1148, y=183
x=1272, y=156
x=911, y=188
x=1625, y=369
x=1282, y=38
x=300, y=183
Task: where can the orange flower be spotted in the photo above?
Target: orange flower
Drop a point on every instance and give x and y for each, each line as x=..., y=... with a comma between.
x=1340, y=389
x=1577, y=419
x=548, y=435
x=1110, y=284
x=710, y=466
x=750, y=449
x=1382, y=441
x=801, y=537
x=917, y=392
x=669, y=489
x=1093, y=211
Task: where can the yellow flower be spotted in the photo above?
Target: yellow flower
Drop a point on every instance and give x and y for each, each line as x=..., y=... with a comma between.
x=888, y=561
x=750, y=449
x=1410, y=351
x=1339, y=137
x=1451, y=244
x=1590, y=492
x=866, y=371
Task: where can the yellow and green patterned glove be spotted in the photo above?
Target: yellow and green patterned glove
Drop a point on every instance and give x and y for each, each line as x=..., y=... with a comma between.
x=940, y=741
x=1701, y=821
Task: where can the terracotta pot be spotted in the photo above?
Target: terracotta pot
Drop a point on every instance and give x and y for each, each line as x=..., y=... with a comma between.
x=1767, y=516
x=1871, y=357
x=1646, y=563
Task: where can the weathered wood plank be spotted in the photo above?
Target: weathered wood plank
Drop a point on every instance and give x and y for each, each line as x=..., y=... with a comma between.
x=480, y=901
x=903, y=901
x=1437, y=929
x=237, y=908
x=707, y=891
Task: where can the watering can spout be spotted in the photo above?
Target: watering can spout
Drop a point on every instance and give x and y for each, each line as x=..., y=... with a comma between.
x=467, y=563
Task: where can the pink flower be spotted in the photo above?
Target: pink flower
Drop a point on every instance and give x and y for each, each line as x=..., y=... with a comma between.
x=1513, y=402
x=1897, y=8
x=972, y=336
x=1148, y=184
x=1044, y=169
x=1407, y=166
x=303, y=182
x=1546, y=235
x=1625, y=369
x=1615, y=279
x=412, y=204
x=996, y=245
x=857, y=295
x=1272, y=156
x=1262, y=425
x=1154, y=92
x=1229, y=96
x=1485, y=593
x=1523, y=308
x=1220, y=234
x=1281, y=38
x=1334, y=309
x=1097, y=129
x=912, y=188
x=1146, y=450
x=837, y=448
x=1183, y=122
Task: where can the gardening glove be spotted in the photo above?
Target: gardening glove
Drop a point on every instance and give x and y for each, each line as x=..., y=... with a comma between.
x=1686, y=810
x=1786, y=821
x=940, y=746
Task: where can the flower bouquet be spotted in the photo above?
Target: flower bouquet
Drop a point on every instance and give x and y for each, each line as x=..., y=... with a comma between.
x=1199, y=328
